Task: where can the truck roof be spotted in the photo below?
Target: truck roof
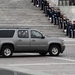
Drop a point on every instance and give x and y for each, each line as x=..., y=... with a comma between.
x=14, y=28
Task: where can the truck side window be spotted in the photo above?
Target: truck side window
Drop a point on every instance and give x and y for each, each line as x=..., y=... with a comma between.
x=23, y=34
x=7, y=33
x=35, y=34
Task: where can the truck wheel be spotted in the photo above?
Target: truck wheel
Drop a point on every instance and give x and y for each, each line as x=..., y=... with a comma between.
x=43, y=54
x=7, y=51
x=54, y=50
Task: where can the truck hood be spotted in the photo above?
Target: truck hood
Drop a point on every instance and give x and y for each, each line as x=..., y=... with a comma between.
x=54, y=39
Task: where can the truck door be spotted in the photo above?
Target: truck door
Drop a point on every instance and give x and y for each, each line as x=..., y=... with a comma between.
x=23, y=41
x=38, y=42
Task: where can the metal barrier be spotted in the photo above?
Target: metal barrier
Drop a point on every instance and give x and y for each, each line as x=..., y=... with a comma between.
x=64, y=2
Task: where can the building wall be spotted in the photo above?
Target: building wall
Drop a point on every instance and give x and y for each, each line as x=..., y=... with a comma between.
x=73, y=13
x=53, y=2
x=69, y=11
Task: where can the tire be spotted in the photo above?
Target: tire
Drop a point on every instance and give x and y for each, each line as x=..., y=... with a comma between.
x=7, y=51
x=54, y=50
x=43, y=54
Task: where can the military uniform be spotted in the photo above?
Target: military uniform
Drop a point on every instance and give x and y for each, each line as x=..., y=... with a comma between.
x=41, y=4
x=73, y=2
x=61, y=22
x=52, y=12
x=55, y=17
x=58, y=16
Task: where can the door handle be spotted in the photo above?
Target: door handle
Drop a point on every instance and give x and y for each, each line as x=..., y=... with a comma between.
x=33, y=40
x=19, y=40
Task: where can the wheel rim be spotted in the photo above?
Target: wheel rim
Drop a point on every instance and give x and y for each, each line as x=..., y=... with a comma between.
x=7, y=52
x=54, y=51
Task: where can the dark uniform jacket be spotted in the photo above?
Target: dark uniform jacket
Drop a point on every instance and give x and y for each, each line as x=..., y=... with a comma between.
x=73, y=26
x=58, y=14
x=73, y=2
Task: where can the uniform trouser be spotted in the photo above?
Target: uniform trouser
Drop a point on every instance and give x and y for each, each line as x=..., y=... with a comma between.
x=39, y=2
x=64, y=27
x=67, y=31
x=31, y=0
x=70, y=2
x=46, y=11
x=44, y=7
x=71, y=33
x=41, y=6
x=52, y=19
x=55, y=20
x=74, y=4
x=35, y=2
x=61, y=25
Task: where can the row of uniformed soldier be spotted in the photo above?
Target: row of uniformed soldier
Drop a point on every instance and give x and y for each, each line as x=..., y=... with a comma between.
x=67, y=26
x=56, y=17
x=71, y=29
x=72, y=2
x=61, y=20
x=40, y=3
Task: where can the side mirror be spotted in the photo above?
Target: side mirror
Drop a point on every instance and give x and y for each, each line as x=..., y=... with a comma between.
x=43, y=37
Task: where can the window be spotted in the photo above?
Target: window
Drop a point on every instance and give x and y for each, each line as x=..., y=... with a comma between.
x=6, y=33
x=23, y=34
x=35, y=34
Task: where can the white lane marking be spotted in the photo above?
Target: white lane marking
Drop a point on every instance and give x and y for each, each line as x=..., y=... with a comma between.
x=41, y=64
x=65, y=59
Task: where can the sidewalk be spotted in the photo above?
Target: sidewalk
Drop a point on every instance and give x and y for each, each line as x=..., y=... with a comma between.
x=66, y=39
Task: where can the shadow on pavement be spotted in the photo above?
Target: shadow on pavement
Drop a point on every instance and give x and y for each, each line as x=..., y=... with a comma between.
x=9, y=72
x=26, y=56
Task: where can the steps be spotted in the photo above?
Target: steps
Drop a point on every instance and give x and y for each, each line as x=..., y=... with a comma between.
x=22, y=13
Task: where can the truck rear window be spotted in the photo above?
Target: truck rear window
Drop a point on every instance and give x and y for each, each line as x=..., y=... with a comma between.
x=6, y=33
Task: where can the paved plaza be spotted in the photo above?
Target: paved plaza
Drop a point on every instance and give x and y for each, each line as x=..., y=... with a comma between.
x=22, y=13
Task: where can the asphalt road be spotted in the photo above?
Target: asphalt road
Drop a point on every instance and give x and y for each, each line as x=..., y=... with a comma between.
x=35, y=64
